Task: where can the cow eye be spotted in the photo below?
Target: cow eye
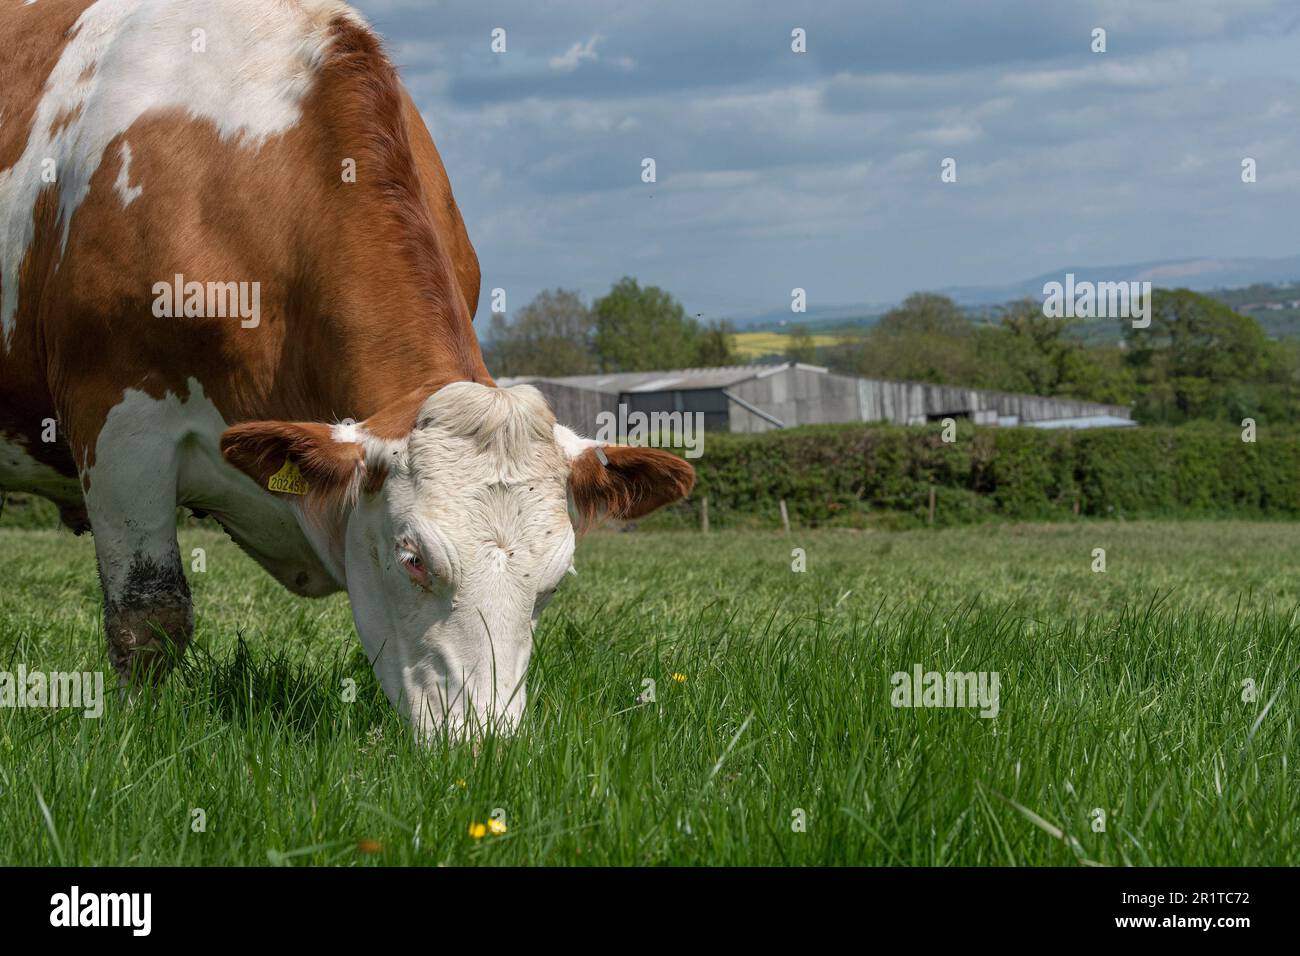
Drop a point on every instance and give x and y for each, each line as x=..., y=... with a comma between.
x=424, y=559
x=413, y=564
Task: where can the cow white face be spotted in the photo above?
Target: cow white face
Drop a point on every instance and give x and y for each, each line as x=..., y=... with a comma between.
x=453, y=539
x=451, y=563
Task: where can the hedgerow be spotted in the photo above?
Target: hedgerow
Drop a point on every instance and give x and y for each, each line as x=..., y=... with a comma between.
x=859, y=474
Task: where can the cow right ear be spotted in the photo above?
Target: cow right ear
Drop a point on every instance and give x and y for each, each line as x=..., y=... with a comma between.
x=626, y=482
x=297, y=459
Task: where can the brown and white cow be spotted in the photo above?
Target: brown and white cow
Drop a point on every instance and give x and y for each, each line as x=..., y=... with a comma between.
x=157, y=162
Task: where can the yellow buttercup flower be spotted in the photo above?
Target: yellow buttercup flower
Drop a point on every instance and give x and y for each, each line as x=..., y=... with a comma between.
x=496, y=827
x=679, y=678
x=477, y=830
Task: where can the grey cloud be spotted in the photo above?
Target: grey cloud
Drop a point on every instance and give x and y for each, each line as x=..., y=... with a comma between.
x=823, y=168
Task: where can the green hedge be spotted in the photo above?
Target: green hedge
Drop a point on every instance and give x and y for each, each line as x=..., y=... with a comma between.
x=859, y=474
x=26, y=511
x=878, y=474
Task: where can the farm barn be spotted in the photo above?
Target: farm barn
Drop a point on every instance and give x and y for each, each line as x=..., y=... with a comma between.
x=755, y=398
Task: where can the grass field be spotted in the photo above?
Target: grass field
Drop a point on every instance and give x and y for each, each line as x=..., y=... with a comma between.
x=1120, y=691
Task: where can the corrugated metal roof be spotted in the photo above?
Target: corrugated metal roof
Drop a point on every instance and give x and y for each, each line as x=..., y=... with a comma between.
x=1085, y=421
x=658, y=380
x=687, y=379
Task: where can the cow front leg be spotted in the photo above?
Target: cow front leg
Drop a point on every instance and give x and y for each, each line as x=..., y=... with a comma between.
x=148, y=617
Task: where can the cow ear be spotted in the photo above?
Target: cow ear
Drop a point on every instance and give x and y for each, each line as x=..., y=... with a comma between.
x=296, y=459
x=625, y=482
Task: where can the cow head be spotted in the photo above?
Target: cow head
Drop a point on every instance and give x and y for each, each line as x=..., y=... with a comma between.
x=452, y=539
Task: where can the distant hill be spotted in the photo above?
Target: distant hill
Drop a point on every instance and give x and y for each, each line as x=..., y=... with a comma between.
x=1199, y=275
x=1268, y=289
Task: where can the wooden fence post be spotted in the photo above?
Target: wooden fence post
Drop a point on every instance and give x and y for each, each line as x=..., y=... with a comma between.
x=704, y=515
x=785, y=517
x=931, y=519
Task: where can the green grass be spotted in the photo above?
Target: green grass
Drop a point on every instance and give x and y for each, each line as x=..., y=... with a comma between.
x=1120, y=691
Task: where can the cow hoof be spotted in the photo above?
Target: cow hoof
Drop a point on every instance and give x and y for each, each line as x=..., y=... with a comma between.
x=144, y=644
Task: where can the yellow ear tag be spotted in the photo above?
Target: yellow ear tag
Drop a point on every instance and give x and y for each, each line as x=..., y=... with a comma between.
x=289, y=480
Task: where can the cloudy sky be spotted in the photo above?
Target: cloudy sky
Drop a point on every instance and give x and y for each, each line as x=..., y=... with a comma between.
x=822, y=170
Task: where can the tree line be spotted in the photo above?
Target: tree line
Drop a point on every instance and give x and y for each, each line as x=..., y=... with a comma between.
x=1197, y=360
x=630, y=329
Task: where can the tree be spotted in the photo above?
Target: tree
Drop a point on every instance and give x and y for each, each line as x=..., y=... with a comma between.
x=928, y=339
x=1196, y=358
x=1045, y=356
x=925, y=313
x=800, y=346
x=643, y=328
x=1040, y=349
x=716, y=344
x=925, y=339
x=630, y=329
x=552, y=335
